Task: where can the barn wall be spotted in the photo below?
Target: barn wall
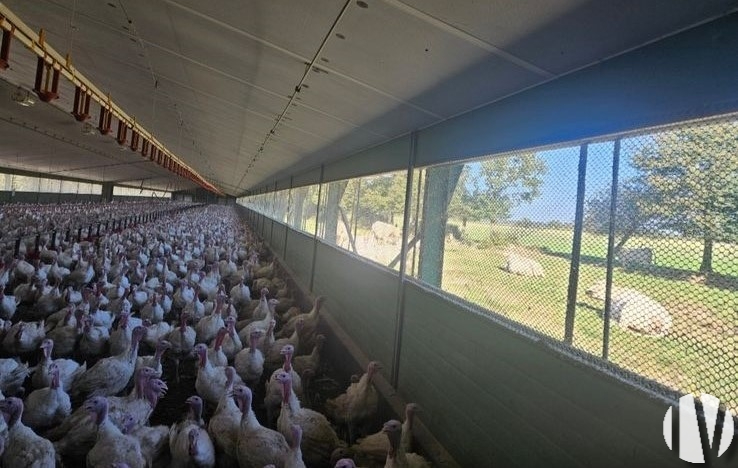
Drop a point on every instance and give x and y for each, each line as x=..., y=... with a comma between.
x=299, y=255
x=279, y=233
x=361, y=297
x=508, y=401
x=492, y=396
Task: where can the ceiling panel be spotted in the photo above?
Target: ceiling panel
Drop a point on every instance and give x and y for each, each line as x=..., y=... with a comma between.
x=379, y=114
x=210, y=79
x=422, y=55
x=233, y=54
x=561, y=35
x=233, y=92
x=297, y=26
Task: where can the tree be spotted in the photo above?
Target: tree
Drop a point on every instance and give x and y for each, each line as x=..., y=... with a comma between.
x=460, y=206
x=691, y=174
x=382, y=197
x=630, y=217
x=503, y=183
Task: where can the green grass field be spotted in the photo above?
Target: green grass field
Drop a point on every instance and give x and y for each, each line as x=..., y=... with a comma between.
x=698, y=355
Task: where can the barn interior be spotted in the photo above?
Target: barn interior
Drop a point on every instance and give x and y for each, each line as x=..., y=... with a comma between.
x=287, y=110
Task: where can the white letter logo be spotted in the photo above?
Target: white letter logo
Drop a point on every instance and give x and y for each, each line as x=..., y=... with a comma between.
x=690, y=446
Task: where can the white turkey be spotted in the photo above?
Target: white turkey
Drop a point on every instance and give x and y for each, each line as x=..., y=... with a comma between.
x=358, y=404
x=12, y=375
x=231, y=342
x=49, y=406
x=211, y=381
x=225, y=423
x=257, y=445
x=109, y=375
x=319, y=438
x=154, y=362
x=373, y=448
x=294, y=456
x=273, y=388
x=208, y=326
x=182, y=438
x=8, y=305
x=111, y=443
x=182, y=339
x=397, y=458
x=215, y=352
x=23, y=447
x=249, y=362
x=68, y=368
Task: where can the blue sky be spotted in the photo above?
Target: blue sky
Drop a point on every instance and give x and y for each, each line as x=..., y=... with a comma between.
x=557, y=199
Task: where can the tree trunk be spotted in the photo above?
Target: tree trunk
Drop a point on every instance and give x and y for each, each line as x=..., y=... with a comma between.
x=626, y=237
x=706, y=266
x=334, y=193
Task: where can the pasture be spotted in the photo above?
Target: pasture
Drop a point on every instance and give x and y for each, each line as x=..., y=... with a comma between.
x=698, y=355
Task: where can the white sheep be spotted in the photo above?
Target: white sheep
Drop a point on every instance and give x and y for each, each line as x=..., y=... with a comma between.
x=635, y=257
x=519, y=265
x=633, y=310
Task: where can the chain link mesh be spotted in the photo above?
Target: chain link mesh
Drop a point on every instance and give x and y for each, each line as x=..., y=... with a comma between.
x=659, y=219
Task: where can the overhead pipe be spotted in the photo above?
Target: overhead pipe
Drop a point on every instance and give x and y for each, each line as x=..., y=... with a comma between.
x=5, y=49
x=51, y=62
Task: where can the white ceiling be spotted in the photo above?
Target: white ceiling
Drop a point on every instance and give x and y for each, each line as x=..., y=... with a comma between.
x=210, y=79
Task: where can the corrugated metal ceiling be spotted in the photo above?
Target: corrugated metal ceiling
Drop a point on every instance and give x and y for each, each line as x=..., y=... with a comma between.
x=210, y=79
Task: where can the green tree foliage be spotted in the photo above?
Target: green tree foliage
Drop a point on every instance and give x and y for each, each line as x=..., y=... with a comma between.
x=631, y=219
x=381, y=198
x=495, y=186
x=691, y=174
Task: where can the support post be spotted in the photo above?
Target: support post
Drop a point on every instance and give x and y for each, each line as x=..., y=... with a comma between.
x=576, y=247
x=611, y=249
x=107, y=192
x=317, y=228
x=400, y=317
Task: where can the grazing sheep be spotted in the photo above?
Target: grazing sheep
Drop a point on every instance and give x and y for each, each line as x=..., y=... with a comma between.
x=635, y=257
x=519, y=265
x=385, y=233
x=633, y=310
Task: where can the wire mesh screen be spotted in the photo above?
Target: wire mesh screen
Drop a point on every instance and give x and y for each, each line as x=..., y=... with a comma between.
x=281, y=205
x=365, y=215
x=674, y=299
x=646, y=277
x=506, y=241
x=303, y=208
x=500, y=233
